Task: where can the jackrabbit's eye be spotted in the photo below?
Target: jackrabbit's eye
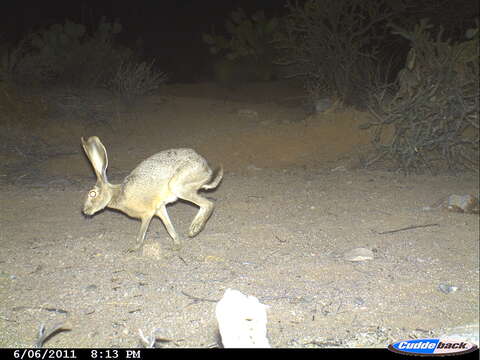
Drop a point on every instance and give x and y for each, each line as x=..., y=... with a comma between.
x=92, y=193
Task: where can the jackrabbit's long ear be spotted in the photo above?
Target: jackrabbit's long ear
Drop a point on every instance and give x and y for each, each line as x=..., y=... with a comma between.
x=97, y=155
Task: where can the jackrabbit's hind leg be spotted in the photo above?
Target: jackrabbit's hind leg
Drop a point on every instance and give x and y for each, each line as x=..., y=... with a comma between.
x=185, y=185
x=206, y=209
x=203, y=214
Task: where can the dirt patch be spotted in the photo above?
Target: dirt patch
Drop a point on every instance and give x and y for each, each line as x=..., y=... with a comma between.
x=293, y=201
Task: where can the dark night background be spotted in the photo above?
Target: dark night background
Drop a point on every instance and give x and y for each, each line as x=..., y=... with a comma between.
x=170, y=30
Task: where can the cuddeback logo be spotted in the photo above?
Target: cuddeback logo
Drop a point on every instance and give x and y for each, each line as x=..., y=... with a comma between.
x=432, y=347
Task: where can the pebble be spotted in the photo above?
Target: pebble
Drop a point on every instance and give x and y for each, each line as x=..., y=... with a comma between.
x=447, y=289
x=358, y=254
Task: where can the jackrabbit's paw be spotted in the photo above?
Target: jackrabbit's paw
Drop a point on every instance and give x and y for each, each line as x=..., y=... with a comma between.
x=195, y=228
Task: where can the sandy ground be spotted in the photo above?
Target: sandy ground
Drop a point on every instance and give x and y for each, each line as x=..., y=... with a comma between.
x=294, y=200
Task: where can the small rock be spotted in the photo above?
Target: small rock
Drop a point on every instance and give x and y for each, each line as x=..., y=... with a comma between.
x=358, y=254
x=7, y=276
x=247, y=113
x=253, y=167
x=463, y=204
x=358, y=301
x=323, y=104
x=88, y=311
x=447, y=289
x=339, y=168
x=91, y=287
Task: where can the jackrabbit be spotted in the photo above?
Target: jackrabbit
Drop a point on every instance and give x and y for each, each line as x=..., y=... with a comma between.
x=157, y=181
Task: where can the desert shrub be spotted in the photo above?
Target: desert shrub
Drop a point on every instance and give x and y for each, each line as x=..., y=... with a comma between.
x=435, y=111
x=92, y=63
x=246, y=50
x=10, y=57
x=16, y=108
x=247, y=36
x=66, y=54
x=134, y=78
x=334, y=45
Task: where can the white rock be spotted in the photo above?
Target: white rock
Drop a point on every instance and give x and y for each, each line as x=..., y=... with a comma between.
x=359, y=254
x=242, y=321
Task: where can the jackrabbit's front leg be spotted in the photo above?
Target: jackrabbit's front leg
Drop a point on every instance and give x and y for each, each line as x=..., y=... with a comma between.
x=163, y=215
x=141, y=233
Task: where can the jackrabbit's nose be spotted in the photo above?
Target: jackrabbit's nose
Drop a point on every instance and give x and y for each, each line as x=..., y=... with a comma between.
x=87, y=212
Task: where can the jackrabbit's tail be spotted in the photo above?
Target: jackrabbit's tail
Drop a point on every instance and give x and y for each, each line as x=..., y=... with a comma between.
x=216, y=178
